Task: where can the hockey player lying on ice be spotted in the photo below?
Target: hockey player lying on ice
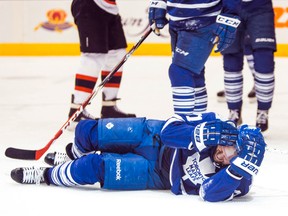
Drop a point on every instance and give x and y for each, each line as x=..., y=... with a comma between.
x=198, y=155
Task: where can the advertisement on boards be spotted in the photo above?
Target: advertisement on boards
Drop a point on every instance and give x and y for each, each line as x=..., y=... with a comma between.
x=47, y=27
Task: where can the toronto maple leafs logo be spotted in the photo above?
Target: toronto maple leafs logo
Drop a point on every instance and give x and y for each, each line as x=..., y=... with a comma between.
x=196, y=170
x=109, y=126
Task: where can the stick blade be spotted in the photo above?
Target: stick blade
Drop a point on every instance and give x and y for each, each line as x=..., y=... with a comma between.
x=20, y=154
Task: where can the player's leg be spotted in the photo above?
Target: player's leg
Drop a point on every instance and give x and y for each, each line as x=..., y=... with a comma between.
x=233, y=82
x=190, y=53
x=248, y=53
x=264, y=85
x=200, y=93
x=86, y=170
x=262, y=33
x=112, y=171
x=113, y=135
x=110, y=90
x=85, y=81
x=117, y=49
x=119, y=135
x=131, y=172
x=233, y=58
x=93, y=38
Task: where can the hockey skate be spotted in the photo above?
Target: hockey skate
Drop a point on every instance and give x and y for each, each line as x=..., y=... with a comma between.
x=262, y=120
x=83, y=115
x=221, y=96
x=29, y=175
x=57, y=158
x=110, y=110
x=252, y=95
x=235, y=116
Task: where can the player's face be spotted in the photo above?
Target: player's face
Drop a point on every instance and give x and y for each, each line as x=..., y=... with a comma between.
x=223, y=154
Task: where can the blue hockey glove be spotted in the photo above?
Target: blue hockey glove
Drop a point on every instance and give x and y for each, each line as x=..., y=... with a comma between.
x=215, y=133
x=251, y=149
x=225, y=31
x=157, y=15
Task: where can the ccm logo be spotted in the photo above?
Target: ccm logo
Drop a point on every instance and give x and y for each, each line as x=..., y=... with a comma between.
x=228, y=21
x=182, y=52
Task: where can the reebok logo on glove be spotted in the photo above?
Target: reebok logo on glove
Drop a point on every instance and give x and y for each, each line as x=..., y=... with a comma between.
x=228, y=21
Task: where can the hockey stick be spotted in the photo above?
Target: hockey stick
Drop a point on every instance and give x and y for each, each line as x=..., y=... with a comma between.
x=37, y=154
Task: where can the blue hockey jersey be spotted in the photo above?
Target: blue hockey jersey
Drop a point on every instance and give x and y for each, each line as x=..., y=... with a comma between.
x=131, y=148
x=192, y=14
x=195, y=173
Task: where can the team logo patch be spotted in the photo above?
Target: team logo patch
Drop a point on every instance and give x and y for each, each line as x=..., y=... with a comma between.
x=109, y=126
x=196, y=170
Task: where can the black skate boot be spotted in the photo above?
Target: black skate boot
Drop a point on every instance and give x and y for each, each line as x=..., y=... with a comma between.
x=262, y=120
x=252, y=96
x=221, y=96
x=83, y=115
x=30, y=175
x=110, y=110
x=57, y=158
x=235, y=116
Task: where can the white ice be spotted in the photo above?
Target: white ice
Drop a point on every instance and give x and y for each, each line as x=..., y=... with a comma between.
x=35, y=98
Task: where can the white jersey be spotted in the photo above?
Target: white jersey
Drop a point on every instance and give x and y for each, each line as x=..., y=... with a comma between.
x=109, y=6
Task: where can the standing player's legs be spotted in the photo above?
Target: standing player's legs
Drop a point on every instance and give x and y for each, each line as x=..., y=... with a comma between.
x=233, y=82
x=262, y=32
x=93, y=38
x=233, y=58
x=190, y=53
x=117, y=50
x=248, y=53
x=102, y=43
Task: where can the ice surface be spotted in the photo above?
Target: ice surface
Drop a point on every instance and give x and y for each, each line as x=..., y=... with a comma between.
x=35, y=97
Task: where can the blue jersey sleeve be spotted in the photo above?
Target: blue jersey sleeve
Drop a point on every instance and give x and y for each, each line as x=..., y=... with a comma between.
x=224, y=186
x=176, y=133
x=178, y=130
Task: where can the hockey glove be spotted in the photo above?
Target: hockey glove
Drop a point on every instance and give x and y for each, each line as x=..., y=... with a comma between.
x=215, y=133
x=225, y=31
x=157, y=15
x=251, y=148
